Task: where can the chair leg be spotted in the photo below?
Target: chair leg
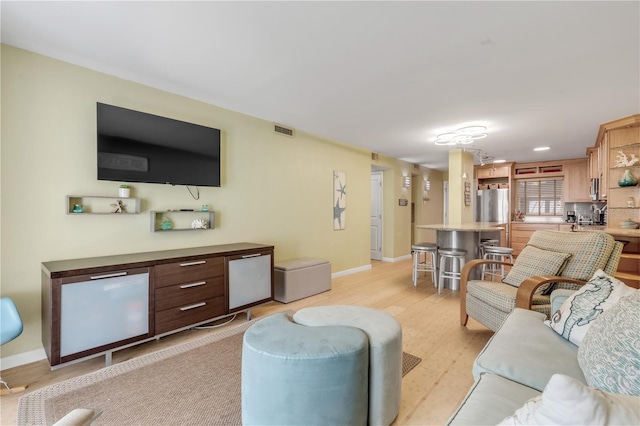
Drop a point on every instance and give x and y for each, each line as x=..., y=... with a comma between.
x=434, y=270
x=443, y=263
x=414, y=277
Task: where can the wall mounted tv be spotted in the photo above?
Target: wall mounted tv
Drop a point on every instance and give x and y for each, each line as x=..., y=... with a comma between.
x=135, y=146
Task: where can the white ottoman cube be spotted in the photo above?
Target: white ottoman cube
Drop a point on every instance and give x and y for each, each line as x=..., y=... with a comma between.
x=385, y=352
x=299, y=278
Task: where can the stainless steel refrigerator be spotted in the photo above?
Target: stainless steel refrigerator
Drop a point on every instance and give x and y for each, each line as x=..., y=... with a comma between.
x=492, y=205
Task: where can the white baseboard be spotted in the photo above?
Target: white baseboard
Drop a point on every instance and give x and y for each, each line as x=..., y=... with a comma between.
x=22, y=359
x=351, y=271
x=396, y=259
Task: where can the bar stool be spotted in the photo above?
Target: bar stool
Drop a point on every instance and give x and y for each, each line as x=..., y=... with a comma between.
x=486, y=242
x=501, y=254
x=456, y=257
x=429, y=264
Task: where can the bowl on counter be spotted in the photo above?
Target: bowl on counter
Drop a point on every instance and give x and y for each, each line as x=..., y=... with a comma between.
x=629, y=224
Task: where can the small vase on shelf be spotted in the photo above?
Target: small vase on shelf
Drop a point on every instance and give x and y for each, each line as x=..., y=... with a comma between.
x=124, y=191
x=627, y=179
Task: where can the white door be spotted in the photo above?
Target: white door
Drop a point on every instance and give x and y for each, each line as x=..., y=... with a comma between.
x=376, y=215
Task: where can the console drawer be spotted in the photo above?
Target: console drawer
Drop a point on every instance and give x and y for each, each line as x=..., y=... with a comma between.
x=189, y=292
x=182, y=316
x=188, y=271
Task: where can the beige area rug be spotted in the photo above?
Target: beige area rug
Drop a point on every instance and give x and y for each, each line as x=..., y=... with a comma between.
x=200, y=386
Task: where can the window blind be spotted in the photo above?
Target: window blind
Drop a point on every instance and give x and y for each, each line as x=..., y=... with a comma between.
x=540, y=197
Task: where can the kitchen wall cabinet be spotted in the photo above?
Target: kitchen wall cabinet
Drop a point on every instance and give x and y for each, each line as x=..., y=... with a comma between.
x=492, y=171
x=538, y=170
x=576, y=181
x=623, y=203
x=621, y=138
x=593, y=159
x=97, y=305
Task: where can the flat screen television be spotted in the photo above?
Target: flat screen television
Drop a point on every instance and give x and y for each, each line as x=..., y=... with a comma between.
x=135, y=146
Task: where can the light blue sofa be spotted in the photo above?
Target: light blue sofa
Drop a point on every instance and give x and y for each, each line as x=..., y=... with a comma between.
x=516, y=365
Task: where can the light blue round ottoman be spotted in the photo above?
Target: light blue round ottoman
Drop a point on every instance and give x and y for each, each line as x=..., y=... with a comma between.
x=385, y=352
x=297, y=375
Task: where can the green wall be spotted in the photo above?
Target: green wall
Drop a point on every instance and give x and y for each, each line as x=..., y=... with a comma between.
x=275, y=189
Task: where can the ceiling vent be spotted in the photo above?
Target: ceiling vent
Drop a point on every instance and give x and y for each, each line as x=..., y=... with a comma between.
x=374, y=156
x=283, y=130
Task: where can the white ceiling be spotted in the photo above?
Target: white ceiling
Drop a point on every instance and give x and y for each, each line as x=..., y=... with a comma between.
x=385, y=76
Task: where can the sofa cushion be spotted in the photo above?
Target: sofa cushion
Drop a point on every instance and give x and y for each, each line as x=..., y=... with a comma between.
x=578, y=312
x=528, y=352
x=610, y=352
x=590, y=250
x=533, y=261
x=490, y=399
x=567, y=401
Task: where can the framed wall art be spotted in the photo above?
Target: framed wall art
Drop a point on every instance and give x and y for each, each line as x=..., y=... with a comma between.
x=339, y=200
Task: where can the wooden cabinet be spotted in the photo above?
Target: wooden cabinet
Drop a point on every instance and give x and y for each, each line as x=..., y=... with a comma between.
x=188, y=292
x=491, y=172
x=629, y=266
x=622, y=140
x=95, y=310
x=576, y=181
x=522, y=232
x=615, y=140
x=95, y=306
x=538, y=170
x=593, y=159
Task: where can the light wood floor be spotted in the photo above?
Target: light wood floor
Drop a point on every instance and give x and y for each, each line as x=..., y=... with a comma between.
x=430, y=327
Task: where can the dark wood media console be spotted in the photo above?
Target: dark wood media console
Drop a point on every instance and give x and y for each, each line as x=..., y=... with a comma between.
x=97, y=305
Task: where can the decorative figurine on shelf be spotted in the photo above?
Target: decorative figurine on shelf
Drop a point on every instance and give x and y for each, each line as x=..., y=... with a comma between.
x=627, y=179
x=199, y=224
x=124, y=191
x=77, y=208
x=166, y=224
x=205, y=207
x=118, y=207
x=623, y=161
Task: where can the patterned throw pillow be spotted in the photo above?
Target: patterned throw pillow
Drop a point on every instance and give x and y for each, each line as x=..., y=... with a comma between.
x=566, y=401
x=610, y=352
x=533, y=261
x=578, y=312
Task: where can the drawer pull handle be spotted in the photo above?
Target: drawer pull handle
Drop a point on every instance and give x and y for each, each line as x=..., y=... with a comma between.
x=117, y=274
x=251, y=255
x=193, y=284
x=196, y=305
x=199, y=262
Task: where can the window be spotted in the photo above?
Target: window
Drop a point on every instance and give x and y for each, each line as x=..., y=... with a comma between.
x=540, y=197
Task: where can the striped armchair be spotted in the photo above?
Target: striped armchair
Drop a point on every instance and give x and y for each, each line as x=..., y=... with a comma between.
x=490, y=302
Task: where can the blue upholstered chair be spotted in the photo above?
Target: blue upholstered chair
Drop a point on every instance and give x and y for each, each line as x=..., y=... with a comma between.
x=10, y=328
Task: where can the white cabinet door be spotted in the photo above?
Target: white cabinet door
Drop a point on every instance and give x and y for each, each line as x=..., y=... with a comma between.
x=105, y=309
x=249, y=280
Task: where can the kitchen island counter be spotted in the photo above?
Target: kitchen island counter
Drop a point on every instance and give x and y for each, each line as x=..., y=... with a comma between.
x=466, y=236
x=471, y=226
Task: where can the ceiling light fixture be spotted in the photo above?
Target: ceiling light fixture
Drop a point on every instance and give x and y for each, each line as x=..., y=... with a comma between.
x=462, y=136
x=541, y=148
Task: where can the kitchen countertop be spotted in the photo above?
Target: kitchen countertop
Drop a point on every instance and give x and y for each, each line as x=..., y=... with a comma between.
x=623, y=232
x=470, y=226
